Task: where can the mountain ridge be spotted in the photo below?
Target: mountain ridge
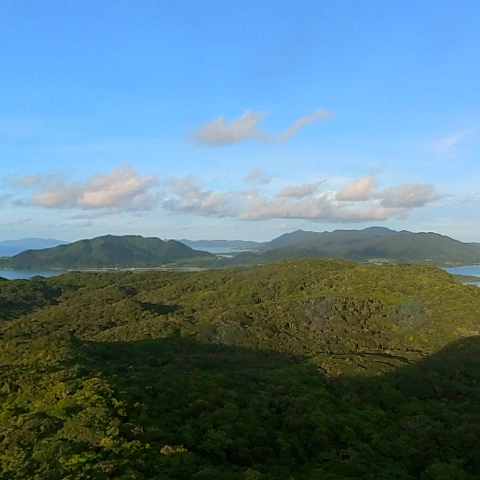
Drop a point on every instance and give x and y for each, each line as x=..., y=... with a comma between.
x=107, y=251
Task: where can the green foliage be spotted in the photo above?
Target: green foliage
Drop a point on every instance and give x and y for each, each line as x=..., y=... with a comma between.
x=307, y=369
x=105, y=252
x=368, y=245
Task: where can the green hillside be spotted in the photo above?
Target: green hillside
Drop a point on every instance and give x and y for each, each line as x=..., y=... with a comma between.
x=305, y=369
x=374, y=244
x=105, y=252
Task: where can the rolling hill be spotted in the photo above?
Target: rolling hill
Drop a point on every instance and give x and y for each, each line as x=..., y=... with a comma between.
x=105, y=252
x=304, y=369
x=375, y=244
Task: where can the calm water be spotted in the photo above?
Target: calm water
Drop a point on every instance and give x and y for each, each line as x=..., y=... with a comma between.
x=17, y=274
x=220, y=250
x=470, y=270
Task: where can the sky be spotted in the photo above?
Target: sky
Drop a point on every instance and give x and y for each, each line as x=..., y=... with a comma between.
x=241, y=119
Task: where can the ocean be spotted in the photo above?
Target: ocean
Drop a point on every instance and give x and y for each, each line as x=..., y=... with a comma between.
x=473, y=270
x=25, y=274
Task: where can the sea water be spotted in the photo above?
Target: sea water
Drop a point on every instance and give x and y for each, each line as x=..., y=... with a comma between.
x=473, y=270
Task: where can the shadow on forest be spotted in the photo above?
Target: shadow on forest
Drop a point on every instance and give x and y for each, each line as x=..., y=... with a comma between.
x=158, y=308
x=235, y=406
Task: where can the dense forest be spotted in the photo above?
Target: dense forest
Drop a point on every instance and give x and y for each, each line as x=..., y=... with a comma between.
x=373, y=244
x=108, y=251
x=303, y=369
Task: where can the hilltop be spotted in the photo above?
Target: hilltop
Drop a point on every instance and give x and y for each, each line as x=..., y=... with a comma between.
x=375, y=244
x=370, y=245
x=105, y=252
x=304, y=369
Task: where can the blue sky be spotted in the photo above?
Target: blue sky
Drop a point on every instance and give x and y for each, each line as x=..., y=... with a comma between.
x=238, y=120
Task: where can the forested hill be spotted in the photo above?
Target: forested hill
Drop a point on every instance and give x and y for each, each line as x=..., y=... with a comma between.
x=306, y=369
x=373, y=244
x=105, y=252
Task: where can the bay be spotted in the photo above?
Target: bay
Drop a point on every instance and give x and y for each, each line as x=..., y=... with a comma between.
x=219, y=250
x=473, y=270
x=25, y=274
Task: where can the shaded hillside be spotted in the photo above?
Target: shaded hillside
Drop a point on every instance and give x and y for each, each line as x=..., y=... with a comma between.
x=373, y=244
x=106, y=252
x=307, y=369
x=309, y=239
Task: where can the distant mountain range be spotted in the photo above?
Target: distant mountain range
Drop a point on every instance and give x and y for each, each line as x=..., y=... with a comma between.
x=8, y=248
x=370, y=245
x=105, y=252
x=375, y=244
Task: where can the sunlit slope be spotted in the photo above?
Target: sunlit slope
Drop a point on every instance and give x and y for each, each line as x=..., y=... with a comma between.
x=311, y=368
x=306, y=306
x=371, y=244
x=106, y=252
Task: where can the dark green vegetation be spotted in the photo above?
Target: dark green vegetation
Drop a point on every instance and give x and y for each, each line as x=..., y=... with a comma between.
x=373, y=244
x=105, y=252
x=306, y=369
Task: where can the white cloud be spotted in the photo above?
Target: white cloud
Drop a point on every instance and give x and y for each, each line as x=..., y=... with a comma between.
x=187, y=196
x=121, y=189
x=222, y=132
x=300, y=123
x=408, y=196
x=358, y=190
x=320, y=208
x=299, y=191
x=301, y=202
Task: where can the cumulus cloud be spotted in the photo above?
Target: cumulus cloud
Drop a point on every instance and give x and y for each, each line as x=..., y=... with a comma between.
x=223, y=132
x=358, y=190
x=408, y=196
x=321, y=208
x=187, y=196
x=299, y=191
x=358, y=202
x=121, y=189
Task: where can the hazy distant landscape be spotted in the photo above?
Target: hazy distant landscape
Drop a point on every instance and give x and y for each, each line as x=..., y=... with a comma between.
x=370, y=245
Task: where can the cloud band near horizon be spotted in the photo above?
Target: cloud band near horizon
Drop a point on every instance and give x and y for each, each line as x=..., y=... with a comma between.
x=124, y=189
